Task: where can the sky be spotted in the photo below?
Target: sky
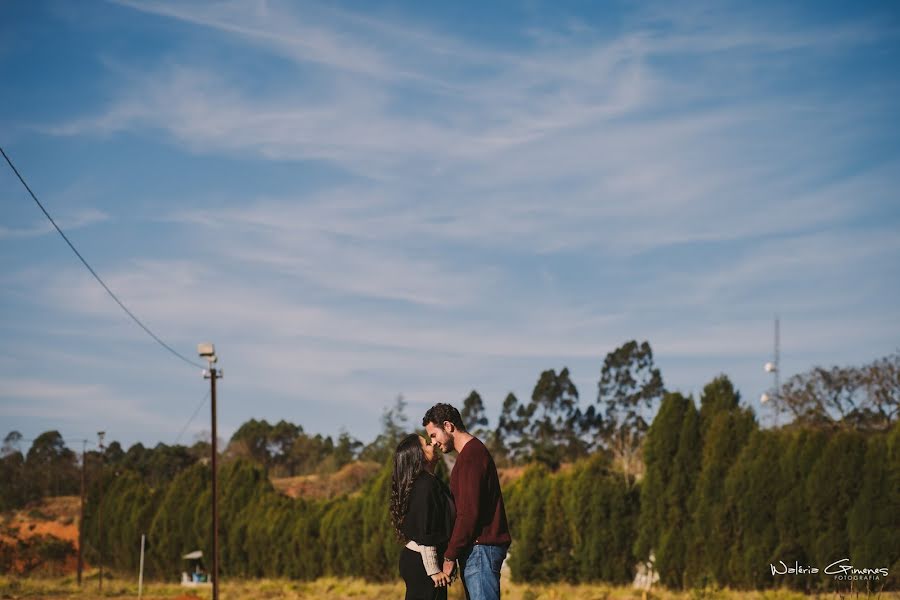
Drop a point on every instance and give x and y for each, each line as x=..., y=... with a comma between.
x=356, y=200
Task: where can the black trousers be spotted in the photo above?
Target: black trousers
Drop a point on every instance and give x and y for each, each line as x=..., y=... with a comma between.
x=419, y=586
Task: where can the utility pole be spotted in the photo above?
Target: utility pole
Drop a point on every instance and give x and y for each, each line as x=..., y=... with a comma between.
x=81, y=519
x=100, y=435
x=208, y=352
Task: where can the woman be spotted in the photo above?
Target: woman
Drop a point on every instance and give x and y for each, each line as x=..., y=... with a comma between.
x=422, y=514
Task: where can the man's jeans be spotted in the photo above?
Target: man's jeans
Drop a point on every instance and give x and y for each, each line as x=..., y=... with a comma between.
x=480, y=571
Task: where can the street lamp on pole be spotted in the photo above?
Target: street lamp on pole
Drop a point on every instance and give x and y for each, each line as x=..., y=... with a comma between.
x=208, y=351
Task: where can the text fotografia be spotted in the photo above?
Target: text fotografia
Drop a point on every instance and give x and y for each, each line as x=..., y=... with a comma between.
x=841, y=569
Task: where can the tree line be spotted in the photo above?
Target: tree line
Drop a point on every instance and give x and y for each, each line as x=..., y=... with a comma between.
x=641, y=475
x=719, y=502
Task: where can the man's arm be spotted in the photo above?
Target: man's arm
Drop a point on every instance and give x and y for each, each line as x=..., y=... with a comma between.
x=470, y=488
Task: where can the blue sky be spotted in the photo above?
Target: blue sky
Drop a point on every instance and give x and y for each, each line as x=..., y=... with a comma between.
x=357, y=200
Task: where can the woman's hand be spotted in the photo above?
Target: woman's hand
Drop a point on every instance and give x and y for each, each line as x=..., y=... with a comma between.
x=440, y=579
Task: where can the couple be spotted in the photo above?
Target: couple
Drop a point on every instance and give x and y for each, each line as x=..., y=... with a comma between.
x=465, y=524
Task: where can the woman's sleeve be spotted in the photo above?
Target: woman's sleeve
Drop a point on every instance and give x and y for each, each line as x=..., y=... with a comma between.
x=430, y=560
x=424, y=521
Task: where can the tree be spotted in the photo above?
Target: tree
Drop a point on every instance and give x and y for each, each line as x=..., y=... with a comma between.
x=831, y=490
x=11, y=443
x=751, y=489
x=309, y=453
x=872, y=523
x=724, y=429
x=674, y=534
x=555, y=540
x=795, y=524
x=881, y=381
x=252, y=440
x=473, y=415
x=629, y=391
x=394, y=425
x=552, y=432
x=719, y=396
x=280, y=444
x=601, y=512
x=52, y=466
x=864, y=398
x=113, y=454
x=17, y=489
x=660, y=448
x=510, y=435
x=163, y=463
x=346, y=450
x=526, y=510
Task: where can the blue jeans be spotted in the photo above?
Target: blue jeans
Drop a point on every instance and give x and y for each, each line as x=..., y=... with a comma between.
x=480, y=571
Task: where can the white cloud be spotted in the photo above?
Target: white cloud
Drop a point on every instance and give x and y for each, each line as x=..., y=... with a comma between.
x=492, y=211
x=81, y=219
x=78, y=402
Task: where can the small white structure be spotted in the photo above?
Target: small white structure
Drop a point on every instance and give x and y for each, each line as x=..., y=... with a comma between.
x=197, y=577
x=645, y=575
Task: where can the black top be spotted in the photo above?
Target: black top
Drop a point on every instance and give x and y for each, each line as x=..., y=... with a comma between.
x=429, y=518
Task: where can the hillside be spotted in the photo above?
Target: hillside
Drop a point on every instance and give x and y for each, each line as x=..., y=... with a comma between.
x=347, y=480
x=42, y=537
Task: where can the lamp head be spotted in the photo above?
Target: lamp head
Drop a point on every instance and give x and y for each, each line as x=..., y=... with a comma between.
x=208, y=351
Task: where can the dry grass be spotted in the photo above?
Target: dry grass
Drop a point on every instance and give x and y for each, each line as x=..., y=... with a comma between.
x=357, y=589
x=350, y=478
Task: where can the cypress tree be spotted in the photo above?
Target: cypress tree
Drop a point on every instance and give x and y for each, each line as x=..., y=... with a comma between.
x=673, y=540
x=724, y=429
x=526, y=519
x=580, y=504
x=174, y=530
x=660, y=448
x=751, y=489
x=831, y=490
x=602, y=512
x=380, y=551
x=802, y=449
x=555, y=539
x=872, y=526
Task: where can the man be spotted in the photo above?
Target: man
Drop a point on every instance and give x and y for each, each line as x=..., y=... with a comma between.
x=480, y=535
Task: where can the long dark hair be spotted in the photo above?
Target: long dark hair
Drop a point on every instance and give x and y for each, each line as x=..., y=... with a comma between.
x=409, y=463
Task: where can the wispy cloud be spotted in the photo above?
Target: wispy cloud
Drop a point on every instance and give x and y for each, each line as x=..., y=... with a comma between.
x=485, y=208
x=41, y=399
x=553, y=147
x=83, y=218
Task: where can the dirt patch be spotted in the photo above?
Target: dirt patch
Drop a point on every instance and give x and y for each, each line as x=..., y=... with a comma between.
x=40, y=522
x=348, y=479
x=52, y=516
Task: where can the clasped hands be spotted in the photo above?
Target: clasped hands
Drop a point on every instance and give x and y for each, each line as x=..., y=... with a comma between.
x=447, y=576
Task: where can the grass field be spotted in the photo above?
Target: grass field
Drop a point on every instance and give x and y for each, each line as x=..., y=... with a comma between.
x=358, y=589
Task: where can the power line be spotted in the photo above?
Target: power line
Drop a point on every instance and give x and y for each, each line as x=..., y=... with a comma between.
x=186, y=425
x=94, y=273
x=65, y=440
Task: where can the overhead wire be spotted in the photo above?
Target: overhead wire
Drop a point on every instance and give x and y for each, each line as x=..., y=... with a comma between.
x=91, y=269
x=189, y=421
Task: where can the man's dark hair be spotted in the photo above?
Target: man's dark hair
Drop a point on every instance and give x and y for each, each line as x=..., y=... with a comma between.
x=441, y=412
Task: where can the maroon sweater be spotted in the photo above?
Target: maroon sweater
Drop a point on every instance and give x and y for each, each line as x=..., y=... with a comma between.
x=480, y=514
